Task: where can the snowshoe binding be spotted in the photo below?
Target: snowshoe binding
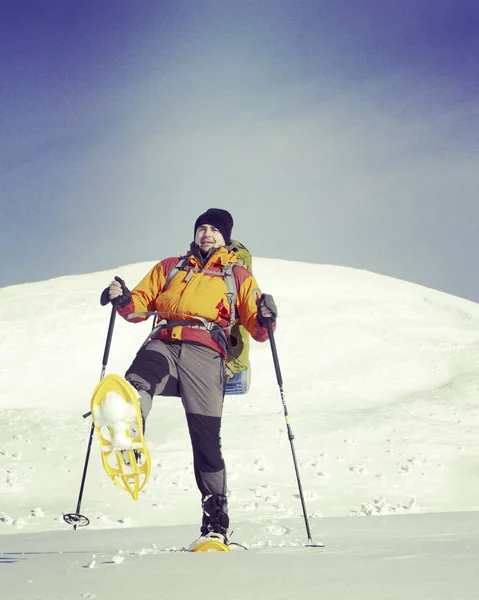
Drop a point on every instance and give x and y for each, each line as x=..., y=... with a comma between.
x=214, y=527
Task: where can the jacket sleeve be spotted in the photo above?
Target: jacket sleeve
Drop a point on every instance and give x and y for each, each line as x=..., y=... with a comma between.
x=143, y=296
x=246, y=303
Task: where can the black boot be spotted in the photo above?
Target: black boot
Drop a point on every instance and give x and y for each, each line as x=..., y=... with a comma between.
x=215, y=516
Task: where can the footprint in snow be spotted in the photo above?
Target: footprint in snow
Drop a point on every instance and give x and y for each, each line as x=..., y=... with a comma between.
x=259, y=465
x=91, y=564
x=261, y=490
x=118, y=559
x=277, y=530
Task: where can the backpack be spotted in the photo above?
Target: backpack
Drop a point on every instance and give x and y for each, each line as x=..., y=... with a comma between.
x=237, y=366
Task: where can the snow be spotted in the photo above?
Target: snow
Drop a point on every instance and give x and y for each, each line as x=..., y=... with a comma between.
x=119, y=414
x=381, y=382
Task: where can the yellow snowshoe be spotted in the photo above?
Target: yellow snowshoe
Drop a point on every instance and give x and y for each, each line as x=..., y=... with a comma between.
x=210, y=543
x=118, y=422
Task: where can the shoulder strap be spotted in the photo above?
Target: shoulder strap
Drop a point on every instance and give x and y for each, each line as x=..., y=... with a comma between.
x=180, y=266
x=231, y=290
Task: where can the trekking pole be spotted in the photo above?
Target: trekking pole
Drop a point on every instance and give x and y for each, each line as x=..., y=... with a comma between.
x=76, y=518
x=290, y=432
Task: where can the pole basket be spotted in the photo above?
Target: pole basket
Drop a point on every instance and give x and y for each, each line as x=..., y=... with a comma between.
x=76, y=519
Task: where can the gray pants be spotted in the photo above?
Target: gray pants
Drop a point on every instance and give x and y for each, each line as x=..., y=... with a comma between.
x=196, y=374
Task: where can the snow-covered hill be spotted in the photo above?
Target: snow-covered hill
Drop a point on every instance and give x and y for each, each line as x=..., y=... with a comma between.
x=381, y=379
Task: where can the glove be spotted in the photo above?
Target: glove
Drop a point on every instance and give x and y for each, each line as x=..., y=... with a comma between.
x=117, y=293
x=266, y=304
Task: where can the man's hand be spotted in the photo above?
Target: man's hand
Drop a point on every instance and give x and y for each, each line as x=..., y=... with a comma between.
x=266, y=309
x=117, y=293
x=115, y=290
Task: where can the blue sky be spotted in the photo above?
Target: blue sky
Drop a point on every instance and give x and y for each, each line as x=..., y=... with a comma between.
x=335, y=132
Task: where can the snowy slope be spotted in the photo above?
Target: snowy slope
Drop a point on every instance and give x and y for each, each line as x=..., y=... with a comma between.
x=381, y=379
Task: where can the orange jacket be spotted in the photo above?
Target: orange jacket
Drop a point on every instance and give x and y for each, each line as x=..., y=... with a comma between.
x=202, y=295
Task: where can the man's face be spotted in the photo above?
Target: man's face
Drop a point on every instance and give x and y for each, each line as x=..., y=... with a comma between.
x=207, y=237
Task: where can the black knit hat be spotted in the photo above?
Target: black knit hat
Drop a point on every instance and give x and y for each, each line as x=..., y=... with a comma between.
x=219, y=218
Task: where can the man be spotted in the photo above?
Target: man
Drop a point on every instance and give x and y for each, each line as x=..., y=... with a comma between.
x=186, y=354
